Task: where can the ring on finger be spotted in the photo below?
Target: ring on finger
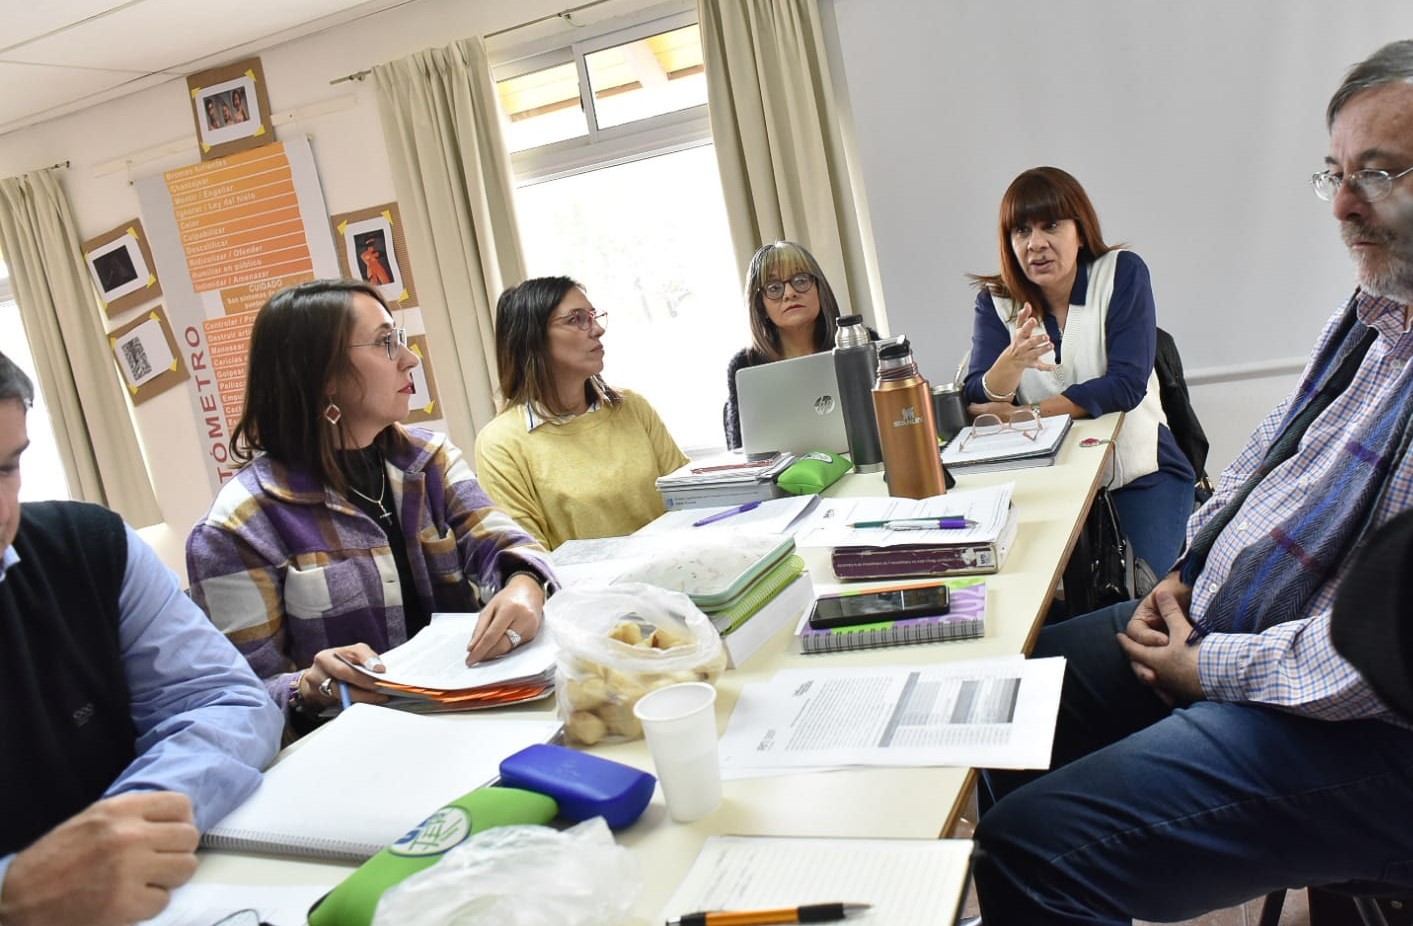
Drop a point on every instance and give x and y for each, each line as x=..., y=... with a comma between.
x=326, y=687
x=514, y=637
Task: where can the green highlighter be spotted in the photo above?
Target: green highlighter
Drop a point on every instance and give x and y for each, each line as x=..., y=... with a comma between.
x=354, y=900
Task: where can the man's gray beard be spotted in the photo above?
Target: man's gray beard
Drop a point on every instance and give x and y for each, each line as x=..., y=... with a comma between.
x=1395, y=283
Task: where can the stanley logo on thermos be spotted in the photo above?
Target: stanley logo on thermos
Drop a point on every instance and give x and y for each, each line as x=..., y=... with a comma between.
x=909, y=417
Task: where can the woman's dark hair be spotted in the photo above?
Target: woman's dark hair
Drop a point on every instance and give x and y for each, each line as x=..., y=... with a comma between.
x=522, y=346
x=781, y=261
x=1038, y=196
x=298, y=348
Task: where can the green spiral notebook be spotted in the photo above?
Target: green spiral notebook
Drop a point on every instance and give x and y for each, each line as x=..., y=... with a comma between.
x=752, y=599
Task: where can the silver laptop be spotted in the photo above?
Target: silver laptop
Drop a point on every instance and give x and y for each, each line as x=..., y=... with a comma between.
x=791, y=405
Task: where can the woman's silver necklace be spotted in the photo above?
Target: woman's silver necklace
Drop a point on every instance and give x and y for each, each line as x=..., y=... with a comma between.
x=385, y=514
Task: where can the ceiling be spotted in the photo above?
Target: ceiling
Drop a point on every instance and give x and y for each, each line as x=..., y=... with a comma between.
x=59, y=56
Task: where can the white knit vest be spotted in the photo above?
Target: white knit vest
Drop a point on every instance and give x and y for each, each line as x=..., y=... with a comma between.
x=1086, y=358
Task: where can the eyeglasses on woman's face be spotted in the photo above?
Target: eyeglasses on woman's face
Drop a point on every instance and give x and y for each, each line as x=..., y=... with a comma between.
x=801, y=283
x=1367, y=185
x=392, y=342
x=1023, y=421
x=583, y=319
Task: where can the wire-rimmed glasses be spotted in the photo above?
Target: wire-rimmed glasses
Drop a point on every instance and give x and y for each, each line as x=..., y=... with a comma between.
x=801, y=283
x=392, y=342
x=1369, y=185
x=583, y=319
x=1023, y=421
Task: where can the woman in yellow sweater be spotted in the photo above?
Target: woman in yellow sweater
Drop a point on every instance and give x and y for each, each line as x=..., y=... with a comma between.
x=568, y=457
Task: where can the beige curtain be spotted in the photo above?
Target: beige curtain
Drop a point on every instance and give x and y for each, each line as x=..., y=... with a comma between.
x=453, y=180
x=92, y=423
x=775, y=127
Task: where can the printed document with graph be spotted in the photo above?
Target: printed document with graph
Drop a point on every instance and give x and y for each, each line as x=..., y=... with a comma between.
x=984, y=713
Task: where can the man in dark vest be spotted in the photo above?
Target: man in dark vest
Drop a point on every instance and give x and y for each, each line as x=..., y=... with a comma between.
x=128, y=724
x=1212, y=744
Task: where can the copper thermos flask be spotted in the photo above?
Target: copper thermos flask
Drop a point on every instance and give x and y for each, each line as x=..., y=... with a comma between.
x=902, y=402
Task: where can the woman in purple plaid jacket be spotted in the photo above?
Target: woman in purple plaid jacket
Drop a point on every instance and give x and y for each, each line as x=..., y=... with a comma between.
x=346, y=530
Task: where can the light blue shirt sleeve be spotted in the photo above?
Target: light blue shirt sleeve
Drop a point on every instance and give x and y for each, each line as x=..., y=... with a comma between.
x=206, y=727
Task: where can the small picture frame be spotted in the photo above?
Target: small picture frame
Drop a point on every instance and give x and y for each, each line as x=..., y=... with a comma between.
x=147, y=355
x=231, y=108
x=372, y=248
x=425, y=404
x=120, y=262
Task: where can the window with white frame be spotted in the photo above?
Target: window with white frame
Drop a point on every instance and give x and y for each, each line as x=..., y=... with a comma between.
x=41, y=471
x=617, y=187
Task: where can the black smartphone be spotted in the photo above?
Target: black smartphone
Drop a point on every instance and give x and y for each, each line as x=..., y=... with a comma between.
x=885, y=605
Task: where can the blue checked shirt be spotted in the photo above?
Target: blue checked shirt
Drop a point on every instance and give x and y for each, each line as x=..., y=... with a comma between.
x=1294, y=665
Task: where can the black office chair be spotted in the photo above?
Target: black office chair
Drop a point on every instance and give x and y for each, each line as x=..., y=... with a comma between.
x=1365, y=894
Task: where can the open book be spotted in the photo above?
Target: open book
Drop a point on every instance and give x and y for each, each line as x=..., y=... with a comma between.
x=358, y=784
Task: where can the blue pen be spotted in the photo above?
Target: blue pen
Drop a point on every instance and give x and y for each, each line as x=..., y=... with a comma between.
x=919, y=524
x=722, y=515
x=343, y=695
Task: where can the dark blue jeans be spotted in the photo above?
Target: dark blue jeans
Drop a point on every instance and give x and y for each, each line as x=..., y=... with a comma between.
x=1155, y=519
x=1166, y=814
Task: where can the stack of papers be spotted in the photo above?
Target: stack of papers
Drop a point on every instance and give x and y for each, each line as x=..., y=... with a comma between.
x=1007, y=448
x=429, y=672
x=724, y=479
x=979, y=713
x=830, y=524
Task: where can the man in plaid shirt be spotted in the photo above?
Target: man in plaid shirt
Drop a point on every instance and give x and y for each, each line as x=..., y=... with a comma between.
x=1212, y=746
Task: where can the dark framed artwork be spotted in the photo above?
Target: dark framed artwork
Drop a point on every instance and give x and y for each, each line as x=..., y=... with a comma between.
x=120, y=263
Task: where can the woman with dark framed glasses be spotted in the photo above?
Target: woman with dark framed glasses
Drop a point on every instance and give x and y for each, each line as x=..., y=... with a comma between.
x=1069, y=327
x=793, y=313
x=345, y=530
x=569, y=456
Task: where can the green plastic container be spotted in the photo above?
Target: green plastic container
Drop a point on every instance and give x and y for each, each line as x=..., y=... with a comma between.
x=354, y=901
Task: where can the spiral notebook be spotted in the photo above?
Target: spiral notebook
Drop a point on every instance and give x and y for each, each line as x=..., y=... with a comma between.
x=964, y=621
x=368, y=777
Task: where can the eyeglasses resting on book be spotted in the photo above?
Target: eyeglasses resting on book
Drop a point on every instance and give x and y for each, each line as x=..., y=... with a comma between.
x=1023, y=421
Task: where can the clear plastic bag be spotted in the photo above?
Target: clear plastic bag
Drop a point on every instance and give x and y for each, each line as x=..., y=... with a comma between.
x=616, y=644
x=521, y=876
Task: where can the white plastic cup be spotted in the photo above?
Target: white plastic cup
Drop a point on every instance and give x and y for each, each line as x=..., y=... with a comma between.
x=679, y=723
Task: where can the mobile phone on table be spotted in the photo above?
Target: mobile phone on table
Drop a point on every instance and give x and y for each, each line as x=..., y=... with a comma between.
x=852, y=608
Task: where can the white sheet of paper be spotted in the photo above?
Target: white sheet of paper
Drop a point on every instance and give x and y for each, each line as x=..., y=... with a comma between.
x=436, y=658
x=776, y=516
x=991, y=713
x=828, y=524
x=204, y=904
x=914, y=881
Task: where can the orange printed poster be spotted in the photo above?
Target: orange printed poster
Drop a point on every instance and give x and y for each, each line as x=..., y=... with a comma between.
x=238, y=219
x=228, y=340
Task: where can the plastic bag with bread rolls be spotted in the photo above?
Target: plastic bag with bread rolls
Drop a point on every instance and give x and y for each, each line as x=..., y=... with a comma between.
x=617, y=643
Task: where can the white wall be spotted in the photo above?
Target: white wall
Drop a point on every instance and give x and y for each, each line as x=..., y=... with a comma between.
x=1194, y=126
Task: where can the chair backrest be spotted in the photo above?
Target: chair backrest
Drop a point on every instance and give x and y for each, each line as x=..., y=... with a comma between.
x=1177, y=406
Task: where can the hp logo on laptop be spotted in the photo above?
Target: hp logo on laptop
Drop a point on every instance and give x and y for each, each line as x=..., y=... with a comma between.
x=824, y=405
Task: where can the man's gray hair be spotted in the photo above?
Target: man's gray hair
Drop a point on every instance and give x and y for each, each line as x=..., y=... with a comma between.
x=1392, y=63
x=14, y=384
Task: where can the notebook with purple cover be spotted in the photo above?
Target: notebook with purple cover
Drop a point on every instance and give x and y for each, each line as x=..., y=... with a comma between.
x=965, y=620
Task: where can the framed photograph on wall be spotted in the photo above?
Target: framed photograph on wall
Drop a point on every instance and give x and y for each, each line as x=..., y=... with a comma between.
x=147, y=355
x=120, y=263
x=231, y=108
x=373, y=248
x=424, y=405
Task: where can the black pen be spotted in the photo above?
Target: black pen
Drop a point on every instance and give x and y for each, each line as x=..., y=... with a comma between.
x=805, y=913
